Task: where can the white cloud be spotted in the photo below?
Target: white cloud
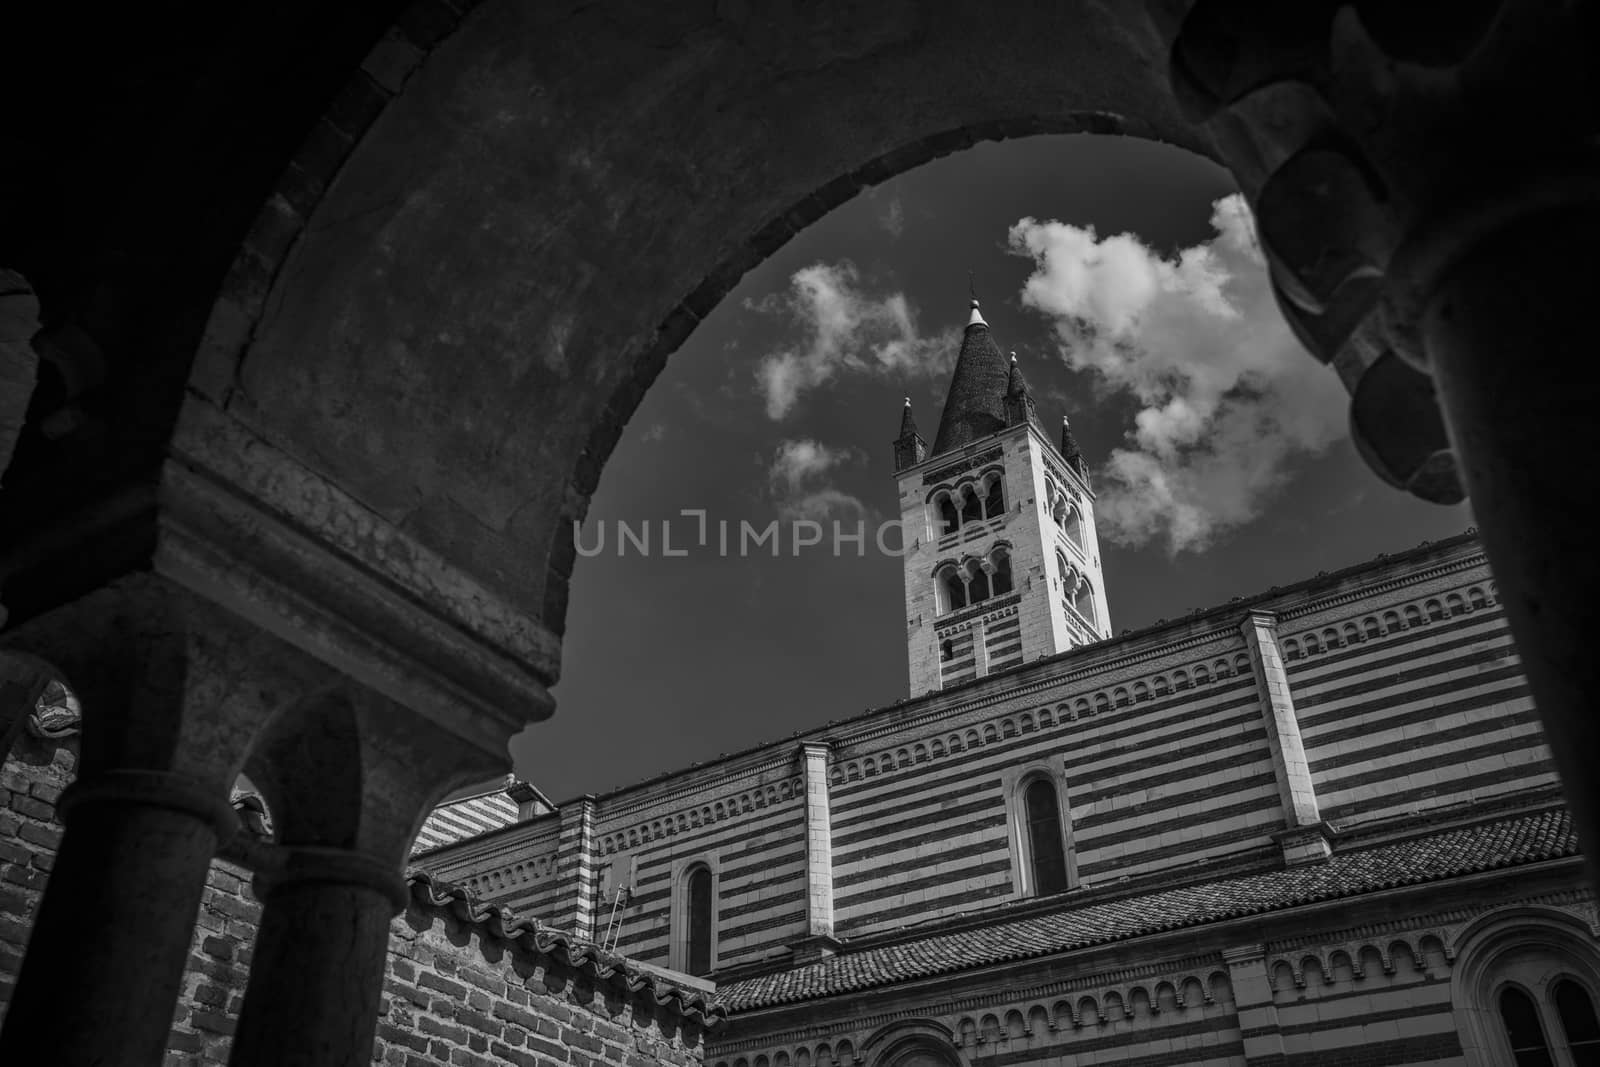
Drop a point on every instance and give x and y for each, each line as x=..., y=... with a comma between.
x=1227, y=395
x=844, y=329
x=798, y=480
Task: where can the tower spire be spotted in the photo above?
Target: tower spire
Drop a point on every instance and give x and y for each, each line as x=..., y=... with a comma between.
x=1070, y=450
x=909, y=448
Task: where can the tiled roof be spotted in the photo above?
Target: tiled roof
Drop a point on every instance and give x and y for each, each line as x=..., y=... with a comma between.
x=1486, y=846
x=433, y=894
x=468, y=817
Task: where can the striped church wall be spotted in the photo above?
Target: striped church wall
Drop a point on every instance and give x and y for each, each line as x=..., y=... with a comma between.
x=1386, y=1000
x=1414, y=701
x=960, y=663
x=1161, y=1015
x=1379, y=994
x=1153, y=782
x=1002, y=642
x=518, y=868
x=753, y=839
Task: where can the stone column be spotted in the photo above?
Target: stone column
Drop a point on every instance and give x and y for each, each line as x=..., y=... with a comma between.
x=316, y=979
x=172, y=689
x=1452, y=301
x=819, y=842
x=1252, y=999
x=1304, y=839
x=1510, y=336
x=348, y=778
x=576, y=867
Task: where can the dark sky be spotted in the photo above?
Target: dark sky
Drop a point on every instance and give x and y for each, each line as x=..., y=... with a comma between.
x=671, y=661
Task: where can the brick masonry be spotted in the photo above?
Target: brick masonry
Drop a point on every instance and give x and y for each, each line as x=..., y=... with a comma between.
x=468, y=985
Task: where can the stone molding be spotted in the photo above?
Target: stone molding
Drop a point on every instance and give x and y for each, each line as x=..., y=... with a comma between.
x=339, y=591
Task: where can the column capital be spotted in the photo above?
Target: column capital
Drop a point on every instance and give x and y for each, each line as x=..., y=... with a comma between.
x=297, y=866
x=816, y=749
x=1239, y=955
x=152, y=789
x=1259, y=619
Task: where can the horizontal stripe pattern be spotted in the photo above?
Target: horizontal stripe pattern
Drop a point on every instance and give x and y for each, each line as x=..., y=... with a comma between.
x=760, y=882
x=1425, y=716
x=1162, y=783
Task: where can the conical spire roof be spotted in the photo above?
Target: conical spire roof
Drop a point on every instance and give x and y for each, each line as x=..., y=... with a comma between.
x=976, y=404
x=1070, y=450
x=908, y=422
x=1016, y=384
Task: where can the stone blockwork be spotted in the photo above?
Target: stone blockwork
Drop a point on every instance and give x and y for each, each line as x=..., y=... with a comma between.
x=467, y=984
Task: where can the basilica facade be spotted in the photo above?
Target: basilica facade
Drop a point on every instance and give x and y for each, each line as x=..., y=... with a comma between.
x=1315, y=825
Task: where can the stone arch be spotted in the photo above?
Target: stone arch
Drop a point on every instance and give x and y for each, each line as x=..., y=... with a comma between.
x=1165, y=998
x=1489, y=950
x=914, y=1042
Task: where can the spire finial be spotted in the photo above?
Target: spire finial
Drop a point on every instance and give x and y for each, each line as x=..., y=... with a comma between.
x=1013, y=357
x=908, y=401
x=976, y=318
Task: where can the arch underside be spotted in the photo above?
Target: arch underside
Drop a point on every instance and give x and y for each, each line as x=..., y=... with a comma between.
x=534, y=223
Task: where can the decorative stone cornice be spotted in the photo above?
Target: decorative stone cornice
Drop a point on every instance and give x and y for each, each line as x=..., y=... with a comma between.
x=246, y=526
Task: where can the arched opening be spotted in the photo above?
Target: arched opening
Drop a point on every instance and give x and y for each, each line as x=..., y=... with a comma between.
x=1524, y=989
x=1524, y=1030
x=1047, y=851
x=1072, y=524
x=949, y=517
x=1580, y=1027
x=994, y=501
x=1000, y=571
x=952, y=588
x=1083, y=602
x=697, y=925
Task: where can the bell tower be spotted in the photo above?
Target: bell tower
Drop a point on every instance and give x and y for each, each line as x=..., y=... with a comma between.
x=1002, y=564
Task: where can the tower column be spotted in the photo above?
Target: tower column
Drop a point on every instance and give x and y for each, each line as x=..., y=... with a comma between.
x=1304, y=839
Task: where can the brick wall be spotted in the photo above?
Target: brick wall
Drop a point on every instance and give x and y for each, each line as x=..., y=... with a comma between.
x=469, y=985
x=31, y=781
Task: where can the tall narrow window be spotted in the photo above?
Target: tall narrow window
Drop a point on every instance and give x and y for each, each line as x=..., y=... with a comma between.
x=1578, y=1022
x=1521, y=1019
x=697, y=956
x=949, y=518
x=1046, y=851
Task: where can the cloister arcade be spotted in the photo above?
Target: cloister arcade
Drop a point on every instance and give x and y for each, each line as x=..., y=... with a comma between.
x=320, y=323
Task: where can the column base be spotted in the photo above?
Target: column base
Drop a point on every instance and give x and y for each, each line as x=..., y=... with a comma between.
x=1306, y=844
x=815, y=947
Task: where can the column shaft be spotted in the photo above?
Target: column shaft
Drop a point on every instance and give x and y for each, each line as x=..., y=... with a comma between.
x=1252, y=1001
x=317, y=975
x=1509, y=335
x=106, y=956
x=819, y=843
x=1295, y=789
